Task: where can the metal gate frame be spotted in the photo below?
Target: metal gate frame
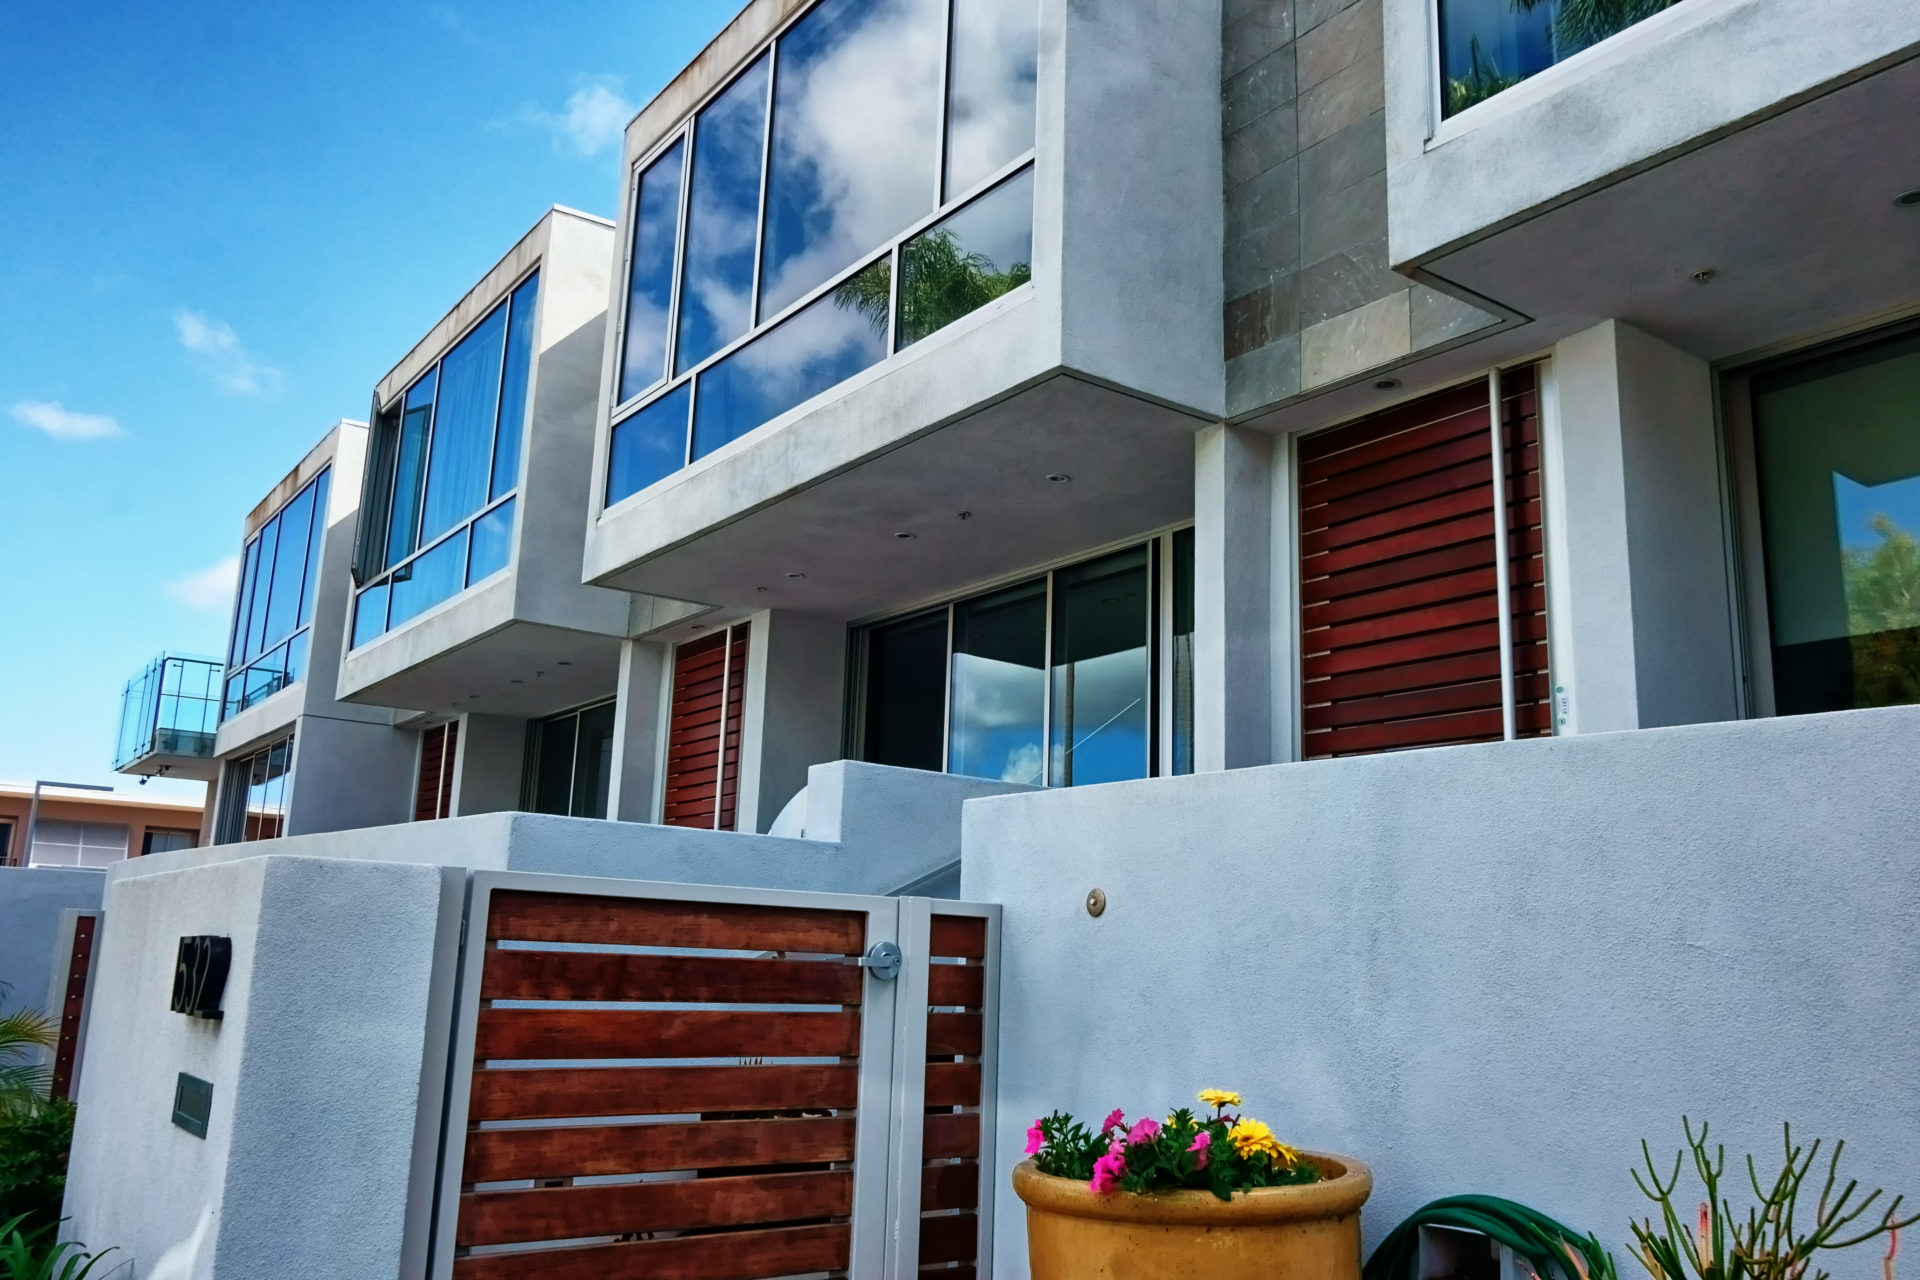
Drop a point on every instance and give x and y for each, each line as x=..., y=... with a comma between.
x=890, y=1105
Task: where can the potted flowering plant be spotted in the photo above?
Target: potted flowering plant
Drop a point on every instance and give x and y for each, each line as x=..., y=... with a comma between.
x=1214, y=1194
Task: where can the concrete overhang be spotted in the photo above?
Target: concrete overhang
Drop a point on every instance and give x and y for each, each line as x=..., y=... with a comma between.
x=1721, y=136
x=1129, y=464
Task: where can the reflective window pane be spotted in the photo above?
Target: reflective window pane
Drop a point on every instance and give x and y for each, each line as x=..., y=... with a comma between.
x=1000, y=685
x=905, y=692
x=383, y=448
x=310, y=581
x=1487, y=46
x=263, y=589
x=967, y=260
x=513, y=389
x=370, y=615
x=242, y=612
x=461, y=453
x=656, y=226
x=593, y=762
x=553, y=742
x=1101, y=687
x=409, y=469
x=723, y=215
x=649, y=446
x=990, y=88
x=819, y=347
x=289, y=566
x=1180, y=661
x=856, y=120
x=492, y=542
x=429, y=578
x=1837, y=444
x=297, y=650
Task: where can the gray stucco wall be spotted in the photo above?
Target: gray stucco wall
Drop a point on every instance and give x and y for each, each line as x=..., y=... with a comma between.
x=1489, y=969
x=32, y=900
x=315, y=1068
x=1310, y=300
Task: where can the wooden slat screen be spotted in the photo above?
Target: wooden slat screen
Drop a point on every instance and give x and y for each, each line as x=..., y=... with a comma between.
x=433, y=790
x=703, y=731
x=73, y=1007
x=1399, y=604
x=950, y=1143
x=580, y=1163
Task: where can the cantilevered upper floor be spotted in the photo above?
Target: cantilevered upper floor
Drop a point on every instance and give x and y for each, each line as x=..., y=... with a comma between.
x=1725, y=173
x=465, y=580
x=884, y=262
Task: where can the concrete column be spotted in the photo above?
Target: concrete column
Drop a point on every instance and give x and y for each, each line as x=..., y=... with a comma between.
x=1244, y=696
x=639, y=731
x=349, y=774
x=1640, y=603
x=488, y=763
x=796, y=669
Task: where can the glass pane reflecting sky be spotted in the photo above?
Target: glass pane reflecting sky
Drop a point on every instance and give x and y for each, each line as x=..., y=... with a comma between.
x=650, y=285
x=1100, y=685
x=409, y=467
x=370, y=615
x=513, y=389
x=855, y=138
x=492, y=542
x=990, y=89
x=461, y=454
x=311, y=581
x=1000, y=685
x=432, y=577
x=716, y=285
x=967, y=260
x=289, y=567
x=820, y=346
x=650, y=445
x=262, y=589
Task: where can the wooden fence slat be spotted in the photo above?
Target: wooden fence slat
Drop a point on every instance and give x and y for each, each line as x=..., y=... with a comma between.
x=566, y=1213
x=954, y=1035
x=580, y=975
x=583, y=1151
x=689, y=1033
x=960, y=986
x=952, y=1238
x=953, y=1084
x=733, y=1255
x=648, y=922
x=950, y=1186
x=951, y=1135
x=569, y=1092
x=964, y=937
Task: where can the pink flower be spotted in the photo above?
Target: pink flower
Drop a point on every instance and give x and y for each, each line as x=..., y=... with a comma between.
x=1035, y=1139
x=1106, y=1173
x=1116, y=1120
x=1144, y=1131
x=1202, y=1141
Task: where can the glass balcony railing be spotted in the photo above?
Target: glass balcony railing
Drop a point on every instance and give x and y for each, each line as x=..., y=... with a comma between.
x=1488, y=46
x=172, y=708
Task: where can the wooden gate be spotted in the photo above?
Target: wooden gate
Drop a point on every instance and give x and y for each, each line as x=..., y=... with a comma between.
x=694, y=1083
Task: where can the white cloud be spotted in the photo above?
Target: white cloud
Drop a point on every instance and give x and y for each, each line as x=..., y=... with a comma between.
x=593, y=119
x=209, y=588
x=233, y=367
x=63, y=423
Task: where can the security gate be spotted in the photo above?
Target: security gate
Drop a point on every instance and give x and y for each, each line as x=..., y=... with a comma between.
x=701, y=1083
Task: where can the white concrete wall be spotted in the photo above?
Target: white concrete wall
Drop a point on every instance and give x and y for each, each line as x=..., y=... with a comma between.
x=350, y=773
x=32, y=900
x=1482, y=969
x=640, y=732
x=316, y=1066
x=488, y=764
x=791, y=712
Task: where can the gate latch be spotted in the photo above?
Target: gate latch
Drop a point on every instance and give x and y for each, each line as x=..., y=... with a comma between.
x=884, y=959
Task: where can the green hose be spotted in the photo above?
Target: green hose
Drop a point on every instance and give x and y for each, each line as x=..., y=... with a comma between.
x=1551, y=1249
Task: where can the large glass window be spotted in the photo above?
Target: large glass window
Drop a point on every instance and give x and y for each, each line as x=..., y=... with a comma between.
x=1837, y=449
x=443, y=470
x=1050, y=681
x=273, y=611
x=254, y=795
x=570, y=763
x=1487, y=46
x=821, y=230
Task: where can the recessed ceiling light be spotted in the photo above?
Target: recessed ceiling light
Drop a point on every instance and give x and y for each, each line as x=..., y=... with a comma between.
x=516, y=680
x=564, y=663
x=698, y=626
x=1908, y=199
x=1059, y=477
x=761, y=590
x=1386, y=384
x=797, y=576
x=1704, y=275
x=966, y=515
x=904, y=536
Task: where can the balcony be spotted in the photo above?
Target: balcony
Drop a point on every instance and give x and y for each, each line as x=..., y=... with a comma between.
x=1681, y=165
x=169, y=714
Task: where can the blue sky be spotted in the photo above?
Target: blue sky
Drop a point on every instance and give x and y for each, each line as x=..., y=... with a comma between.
x=222, y=223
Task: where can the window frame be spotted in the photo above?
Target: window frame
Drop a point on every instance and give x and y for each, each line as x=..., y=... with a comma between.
x=619, y=411
x=307, y=589
x=389, y=573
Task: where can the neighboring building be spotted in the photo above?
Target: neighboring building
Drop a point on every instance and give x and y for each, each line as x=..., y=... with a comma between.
x=75, y=827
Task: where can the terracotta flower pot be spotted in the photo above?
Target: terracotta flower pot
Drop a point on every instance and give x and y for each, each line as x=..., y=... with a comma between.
x=1309, y=1232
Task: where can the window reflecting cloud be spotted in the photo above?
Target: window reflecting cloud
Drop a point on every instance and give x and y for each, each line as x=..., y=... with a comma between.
x=990, y=91
x=716, y=286
x=650, y=284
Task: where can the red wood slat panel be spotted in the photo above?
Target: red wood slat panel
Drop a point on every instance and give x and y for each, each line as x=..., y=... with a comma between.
x=950, y=1186
x=956, y=986
x=1412, y=595
x=569, y=1213
x=954, y=1035
x=1418, y=539
x=1390, y=431
x=580, y=1151
x=736, y=705
x=963, y=937
x=657, y=922
x=568, y=1092
x=953, y=1084
x=582, y=975
x=951, y=1238
x=694, y=718
x=73, y=1006
x=426, y=785
x=951, y=1135
x=736, y=1255
x=1454, y=559
x=1481, y=665
x=449, y=755
x=1431, y=702
x=1470, y=472
x=1393, y=526
x=679, y=1033
x=1475, y=726
x=1468, y=445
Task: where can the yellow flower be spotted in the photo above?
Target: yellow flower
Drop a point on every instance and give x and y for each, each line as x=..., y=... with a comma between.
x=1218, y=1098
x=1250, y=1136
